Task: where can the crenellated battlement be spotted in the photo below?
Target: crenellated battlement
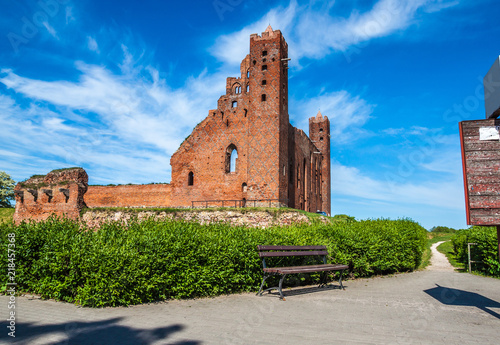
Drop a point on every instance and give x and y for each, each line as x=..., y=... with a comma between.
x=60, y=192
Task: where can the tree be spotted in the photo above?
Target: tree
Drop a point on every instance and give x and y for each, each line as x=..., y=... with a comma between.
x=443, y=229
x=6, y=189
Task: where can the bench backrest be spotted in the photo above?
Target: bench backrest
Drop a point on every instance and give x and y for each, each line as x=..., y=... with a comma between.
x=277, y=251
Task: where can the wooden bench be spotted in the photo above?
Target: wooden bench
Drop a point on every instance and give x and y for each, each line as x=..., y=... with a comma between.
x=282, y=251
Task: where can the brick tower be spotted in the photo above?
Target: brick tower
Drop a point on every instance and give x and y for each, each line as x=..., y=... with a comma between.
x=268, y=116
x=319, y=133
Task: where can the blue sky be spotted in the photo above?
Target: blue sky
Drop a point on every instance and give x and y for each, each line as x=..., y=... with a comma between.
x=115, y=87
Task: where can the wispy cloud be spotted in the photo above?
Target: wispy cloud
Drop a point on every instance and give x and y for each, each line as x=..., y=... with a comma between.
x=350, y=181
x=119, y=124
x=314, y=33
x=92, y=44
x=347, y=114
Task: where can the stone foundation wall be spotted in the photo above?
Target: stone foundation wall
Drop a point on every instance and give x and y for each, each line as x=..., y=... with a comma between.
x=237, y=217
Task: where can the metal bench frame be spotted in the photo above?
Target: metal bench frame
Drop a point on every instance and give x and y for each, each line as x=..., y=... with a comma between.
x=282, y=251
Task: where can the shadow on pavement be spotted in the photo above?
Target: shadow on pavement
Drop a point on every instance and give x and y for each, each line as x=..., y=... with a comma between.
x=96, y=332
x=457, y=297
x=303, y=290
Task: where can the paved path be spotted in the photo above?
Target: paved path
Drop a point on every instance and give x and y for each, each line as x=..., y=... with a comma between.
x=439, y=261
x=426, y=307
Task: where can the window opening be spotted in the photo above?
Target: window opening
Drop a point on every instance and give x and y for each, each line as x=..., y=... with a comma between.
x=264, y=67
x=264, y=53
x=248, y=88
x=263, y=98
x=244, y=187
x=234, y=104
x=190, y=178
x=298, y=176
x=264, y=82
x=231, y=158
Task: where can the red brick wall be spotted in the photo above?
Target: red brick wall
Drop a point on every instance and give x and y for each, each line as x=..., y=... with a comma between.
x=306, y=168
x=59, y=193
x=150, y=195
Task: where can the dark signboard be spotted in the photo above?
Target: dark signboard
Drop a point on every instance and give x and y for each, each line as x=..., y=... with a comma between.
x=481, y=165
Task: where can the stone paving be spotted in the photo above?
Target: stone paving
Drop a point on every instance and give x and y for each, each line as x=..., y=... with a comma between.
x=425, y=307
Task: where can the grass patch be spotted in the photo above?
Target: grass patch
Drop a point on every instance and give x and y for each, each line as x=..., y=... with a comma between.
x=6, y=215
x=447, y=249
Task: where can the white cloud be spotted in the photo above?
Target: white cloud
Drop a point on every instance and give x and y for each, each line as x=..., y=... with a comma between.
x=347, y=114
x=442, y=193
x=233, y=48
x=313, y=33
x=50, y=30
x=92, y=44
x=123, y=126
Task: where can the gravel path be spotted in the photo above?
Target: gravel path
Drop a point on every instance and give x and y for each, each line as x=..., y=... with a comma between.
x=439, y=262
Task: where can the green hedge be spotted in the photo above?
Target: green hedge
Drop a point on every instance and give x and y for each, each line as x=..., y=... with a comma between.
x=485, y=252
x=157, y=260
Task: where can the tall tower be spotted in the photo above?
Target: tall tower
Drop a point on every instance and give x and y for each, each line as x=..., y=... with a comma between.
x=268, y=116
x=319, y=132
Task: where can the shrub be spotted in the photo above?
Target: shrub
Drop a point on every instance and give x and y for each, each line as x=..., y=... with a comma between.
x=157, y=260
x=485, y=252
x=443, y=229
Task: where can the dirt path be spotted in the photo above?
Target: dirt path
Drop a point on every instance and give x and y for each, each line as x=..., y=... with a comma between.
x=439, y=262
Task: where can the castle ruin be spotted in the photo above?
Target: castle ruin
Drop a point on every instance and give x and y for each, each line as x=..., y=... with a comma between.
x=245, y=152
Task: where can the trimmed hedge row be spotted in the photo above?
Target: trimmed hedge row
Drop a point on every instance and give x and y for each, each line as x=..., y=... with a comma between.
x=485, y=252
x=157, y=260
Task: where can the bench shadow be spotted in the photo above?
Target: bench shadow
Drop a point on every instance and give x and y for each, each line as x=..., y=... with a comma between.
x=97, y=332
x=456, y=297
x=297, y=291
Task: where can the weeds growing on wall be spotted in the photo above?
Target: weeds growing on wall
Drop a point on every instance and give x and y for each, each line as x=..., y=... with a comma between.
x=485, y=252
x=158, y=260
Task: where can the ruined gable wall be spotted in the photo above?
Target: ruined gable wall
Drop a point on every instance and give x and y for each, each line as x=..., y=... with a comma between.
x=205, y=152
x=150, y=195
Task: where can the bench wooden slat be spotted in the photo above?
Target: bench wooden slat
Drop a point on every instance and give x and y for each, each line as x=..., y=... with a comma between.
x=306, y=269
x=295, y=248
x=305, y=253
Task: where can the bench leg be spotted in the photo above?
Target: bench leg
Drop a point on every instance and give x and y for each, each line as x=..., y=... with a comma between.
x=279, y=287
x=340, y=280
x=323, y=281
x=262, y=285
